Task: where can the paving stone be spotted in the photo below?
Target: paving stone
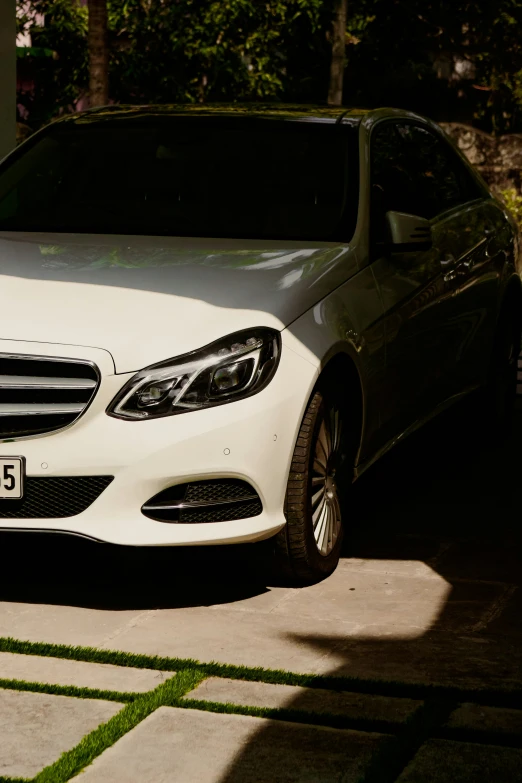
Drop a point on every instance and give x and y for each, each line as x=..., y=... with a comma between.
x=313, y=645
x=260, y=694
x=476, y=717
x=247, y=638
x=56, y=624
x=446, y=761
x=397, y=596
x=176, y=745
x=57, y=671
x=403, y=560
x=36, y=728
x=446, y=659
x=390, y=637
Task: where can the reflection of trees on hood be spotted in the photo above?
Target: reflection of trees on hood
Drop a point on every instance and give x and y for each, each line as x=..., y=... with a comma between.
x=96, y=257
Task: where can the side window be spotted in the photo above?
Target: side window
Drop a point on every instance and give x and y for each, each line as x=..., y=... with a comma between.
x=393, y=181
x=415, y=171
x=470, y=189
x=444, y=182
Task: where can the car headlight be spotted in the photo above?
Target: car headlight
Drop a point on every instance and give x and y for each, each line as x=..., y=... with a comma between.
x=230, y=369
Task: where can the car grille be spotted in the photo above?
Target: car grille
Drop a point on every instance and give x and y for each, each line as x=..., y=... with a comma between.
x=54, y=496
x=41, y=394
x=221, y=500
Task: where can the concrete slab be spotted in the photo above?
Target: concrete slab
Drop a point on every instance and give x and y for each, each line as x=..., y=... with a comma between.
x=64, y=624
x=35, y=668
x=37, y=728
x=367, y=597
x=261, y=694
x=175, y=745
x=476, y=717
x=249, y=638
x=404, y=595
x=372, y=618
x=448, y=659
x=445, y=761
x=311, y=644
x=372, y=597
x=394, y=597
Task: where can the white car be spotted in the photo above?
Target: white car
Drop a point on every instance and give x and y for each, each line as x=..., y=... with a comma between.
x=214, y=319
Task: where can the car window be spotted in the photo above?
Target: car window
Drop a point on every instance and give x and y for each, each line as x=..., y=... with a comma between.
x=443, y=180
x=186, y=177
x=393, y=182
x=417, y=172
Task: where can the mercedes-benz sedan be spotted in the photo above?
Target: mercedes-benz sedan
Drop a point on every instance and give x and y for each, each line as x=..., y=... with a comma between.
x=214, y=319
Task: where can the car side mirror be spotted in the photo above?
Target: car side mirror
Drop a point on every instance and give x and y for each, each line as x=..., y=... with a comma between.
x=408, y=232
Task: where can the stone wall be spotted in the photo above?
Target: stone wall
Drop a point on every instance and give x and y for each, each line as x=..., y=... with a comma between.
x=499, y=159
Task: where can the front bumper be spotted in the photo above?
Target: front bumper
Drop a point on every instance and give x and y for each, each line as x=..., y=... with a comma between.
x=252, y=439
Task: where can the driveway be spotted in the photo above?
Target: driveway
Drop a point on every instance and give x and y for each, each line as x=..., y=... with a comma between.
x=414, y=642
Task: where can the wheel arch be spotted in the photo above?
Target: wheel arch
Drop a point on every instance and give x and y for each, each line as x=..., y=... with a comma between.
x=340, y=369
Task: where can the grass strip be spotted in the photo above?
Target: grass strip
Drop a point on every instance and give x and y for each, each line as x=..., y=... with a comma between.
x=4, y=779
x=294, y=716
x=94, y=655
x=92, y=745
x=487, y=697
x=67, y=690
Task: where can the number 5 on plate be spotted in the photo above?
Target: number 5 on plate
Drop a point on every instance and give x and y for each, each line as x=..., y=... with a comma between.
x=12, y=471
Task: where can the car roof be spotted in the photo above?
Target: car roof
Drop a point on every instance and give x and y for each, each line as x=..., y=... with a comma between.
x=294, y=112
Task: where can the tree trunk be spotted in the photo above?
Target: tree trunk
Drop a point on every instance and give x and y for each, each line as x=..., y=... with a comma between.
x=335, y=90
x=98, y=45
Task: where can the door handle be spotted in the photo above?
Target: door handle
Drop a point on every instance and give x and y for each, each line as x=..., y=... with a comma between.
x=448, y=263
x=489, y=233
x=466, y=266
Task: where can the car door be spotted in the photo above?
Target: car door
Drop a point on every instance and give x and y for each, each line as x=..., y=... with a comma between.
x=477, y=237
x=421, y=335
x=483, y=240
x=474, y=225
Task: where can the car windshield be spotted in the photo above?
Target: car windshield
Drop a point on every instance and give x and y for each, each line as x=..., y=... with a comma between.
x=235, y=178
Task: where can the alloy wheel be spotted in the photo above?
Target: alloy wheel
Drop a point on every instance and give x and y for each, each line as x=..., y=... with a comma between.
x=325, y=499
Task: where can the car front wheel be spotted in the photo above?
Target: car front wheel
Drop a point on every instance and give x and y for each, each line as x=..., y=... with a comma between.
x=308, y=548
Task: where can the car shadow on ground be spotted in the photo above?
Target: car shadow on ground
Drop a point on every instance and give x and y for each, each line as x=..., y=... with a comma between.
x=67, y=571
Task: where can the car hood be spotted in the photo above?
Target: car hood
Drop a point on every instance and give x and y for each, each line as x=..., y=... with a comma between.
x=146, y=299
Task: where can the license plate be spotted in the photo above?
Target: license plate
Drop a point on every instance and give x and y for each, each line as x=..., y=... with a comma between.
x=12, y=470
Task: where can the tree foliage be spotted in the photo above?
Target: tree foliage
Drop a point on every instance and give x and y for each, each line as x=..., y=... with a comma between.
x=210, y=49
x=450, y=59
x=461, y=58
x=54, y=75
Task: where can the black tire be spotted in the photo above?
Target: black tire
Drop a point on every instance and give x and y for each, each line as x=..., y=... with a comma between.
x=499, y=395
x=297, y=555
